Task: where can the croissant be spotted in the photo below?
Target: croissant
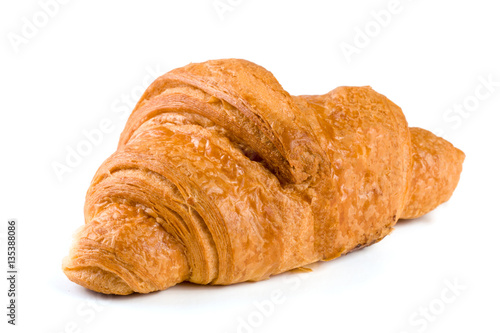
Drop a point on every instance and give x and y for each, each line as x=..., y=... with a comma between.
x=221, y=176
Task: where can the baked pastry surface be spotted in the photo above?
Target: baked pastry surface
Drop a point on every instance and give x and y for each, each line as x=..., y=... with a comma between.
x=221, y=176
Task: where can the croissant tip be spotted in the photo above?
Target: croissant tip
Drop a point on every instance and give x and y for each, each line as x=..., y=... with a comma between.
x=98, y=279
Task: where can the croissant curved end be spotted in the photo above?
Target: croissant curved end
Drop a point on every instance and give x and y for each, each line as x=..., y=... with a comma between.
x=134, y=255
x=97, y=279
x=437, y=166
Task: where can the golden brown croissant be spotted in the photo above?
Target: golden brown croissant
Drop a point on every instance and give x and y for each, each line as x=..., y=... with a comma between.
x=221, y=176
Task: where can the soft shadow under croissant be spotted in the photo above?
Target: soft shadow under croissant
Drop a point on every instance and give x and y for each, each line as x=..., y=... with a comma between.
x=221, y=176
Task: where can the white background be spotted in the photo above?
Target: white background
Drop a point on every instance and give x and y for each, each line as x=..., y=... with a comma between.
x=80, y=65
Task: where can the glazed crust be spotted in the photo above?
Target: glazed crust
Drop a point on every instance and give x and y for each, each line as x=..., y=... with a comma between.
x=436, y=170
x=221, y=176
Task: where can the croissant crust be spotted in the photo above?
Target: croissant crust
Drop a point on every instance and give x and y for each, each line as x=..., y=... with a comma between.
x=221, y=176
